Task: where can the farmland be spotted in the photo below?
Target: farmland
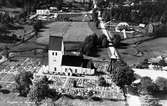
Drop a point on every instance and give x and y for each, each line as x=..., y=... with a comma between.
x=150, y=48
x=71, y=31
x=73, y=34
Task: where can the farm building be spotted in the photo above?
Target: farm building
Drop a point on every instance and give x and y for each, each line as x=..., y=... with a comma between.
x=66, y=64
x=43, y=12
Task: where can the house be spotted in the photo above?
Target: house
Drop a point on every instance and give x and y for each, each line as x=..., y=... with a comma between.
x=66, y=64
x=42, y=11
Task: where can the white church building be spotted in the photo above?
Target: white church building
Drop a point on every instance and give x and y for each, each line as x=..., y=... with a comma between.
x=60, y=63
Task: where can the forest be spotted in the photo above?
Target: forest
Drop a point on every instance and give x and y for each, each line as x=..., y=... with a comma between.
x=144, y=13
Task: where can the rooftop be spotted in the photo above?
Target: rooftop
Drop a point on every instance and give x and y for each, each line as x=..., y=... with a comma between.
x=76, y=61
x=55, y=43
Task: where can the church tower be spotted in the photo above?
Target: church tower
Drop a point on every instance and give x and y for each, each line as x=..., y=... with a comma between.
x=55, y=53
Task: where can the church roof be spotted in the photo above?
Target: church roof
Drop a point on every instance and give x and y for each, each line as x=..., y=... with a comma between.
x=75, y=61
x=55, y=43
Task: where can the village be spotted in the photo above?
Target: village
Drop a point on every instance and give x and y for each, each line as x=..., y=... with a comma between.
x=80, y=51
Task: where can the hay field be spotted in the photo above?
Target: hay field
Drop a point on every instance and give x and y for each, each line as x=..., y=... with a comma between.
x=71, y=31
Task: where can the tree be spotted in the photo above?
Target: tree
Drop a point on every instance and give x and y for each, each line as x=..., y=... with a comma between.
x=95, y=16
x=102, y=81
x=37, y=26
x=39, y=90
x=122, y=75
x=147, y=86
x=161, y=83
x=23, y=82
x=163, y=18
x=6, y=52
x=89, y=46
x=102, y=41
x=162, y=62
x=89, y=49
x=116, y=40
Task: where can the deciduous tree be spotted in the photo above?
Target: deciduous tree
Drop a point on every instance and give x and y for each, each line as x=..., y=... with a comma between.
x=39, y=90
x=23, y=82
x=147, y=86
x=122, y=75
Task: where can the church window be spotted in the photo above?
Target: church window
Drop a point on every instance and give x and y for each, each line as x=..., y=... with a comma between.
x=75, y=70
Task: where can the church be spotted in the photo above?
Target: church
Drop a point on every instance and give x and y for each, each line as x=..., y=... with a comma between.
x=60, y=63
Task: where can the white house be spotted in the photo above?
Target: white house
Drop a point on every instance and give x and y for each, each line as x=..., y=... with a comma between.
x=67, y=64
x=43, y=12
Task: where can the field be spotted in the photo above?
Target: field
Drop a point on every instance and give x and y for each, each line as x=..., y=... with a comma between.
x=150, y=48
x=73, y=34
x=71, y=31
x=77, y=102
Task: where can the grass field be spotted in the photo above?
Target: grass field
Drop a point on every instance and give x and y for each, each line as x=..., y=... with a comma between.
x=71, y=31
x=77, y=102
x=150, y=48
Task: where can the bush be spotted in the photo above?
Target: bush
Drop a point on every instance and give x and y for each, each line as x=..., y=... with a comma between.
x=39, y=90
x=147, y=86
x=161, y=83
x=23, y=82
x=102, y=81
x=143, y=64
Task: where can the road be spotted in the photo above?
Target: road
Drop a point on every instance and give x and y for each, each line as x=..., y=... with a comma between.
x=113, y=53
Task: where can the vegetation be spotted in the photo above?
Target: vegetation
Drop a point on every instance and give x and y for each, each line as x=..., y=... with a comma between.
x=161, y=83
x=147, y=86
x=116, y=40
x=6, y=52
x=102, y=81
x=163, y=18
x=37, y=26
x=39, y=90
x=23, y=82
x=143, y=64
x=102, y=41
x=5, y=18
x=145, y=13
x=122, y=74
x=95, y=17
x=91, y=44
